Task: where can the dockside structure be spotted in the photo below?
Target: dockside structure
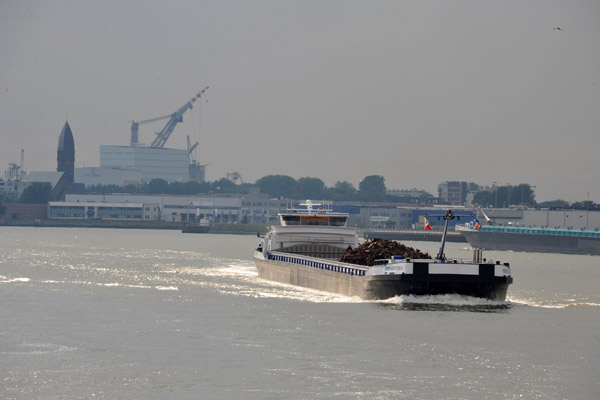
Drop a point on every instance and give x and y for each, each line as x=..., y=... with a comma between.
x=264, y=210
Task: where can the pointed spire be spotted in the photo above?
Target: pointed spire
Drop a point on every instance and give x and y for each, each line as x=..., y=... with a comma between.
x=65, y=141
x=66, y=152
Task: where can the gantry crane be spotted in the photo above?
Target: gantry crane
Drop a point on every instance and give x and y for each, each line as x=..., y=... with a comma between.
x=174, y=119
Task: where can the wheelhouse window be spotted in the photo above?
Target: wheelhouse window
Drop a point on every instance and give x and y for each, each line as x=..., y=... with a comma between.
x=313, y=220
x=291, y=220
x=338, y=221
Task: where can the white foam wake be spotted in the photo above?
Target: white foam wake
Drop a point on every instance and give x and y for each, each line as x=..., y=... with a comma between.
x=557, y=304
x=6, y=280
x=454, y=300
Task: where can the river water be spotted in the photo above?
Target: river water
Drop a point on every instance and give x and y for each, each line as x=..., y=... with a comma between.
x=147, y=314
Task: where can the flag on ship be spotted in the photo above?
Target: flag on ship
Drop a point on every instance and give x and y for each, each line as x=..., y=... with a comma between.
x=476, y=224
x=427, y=226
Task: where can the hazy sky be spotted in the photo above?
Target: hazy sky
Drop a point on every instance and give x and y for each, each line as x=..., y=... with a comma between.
x=419, y=92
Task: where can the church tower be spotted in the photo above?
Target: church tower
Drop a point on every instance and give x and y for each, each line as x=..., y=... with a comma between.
x=66, y=153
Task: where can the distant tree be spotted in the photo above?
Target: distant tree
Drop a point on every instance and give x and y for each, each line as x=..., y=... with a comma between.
x=504, y=196
x=558, y=204
x=188, y=187
x=310, y=188
x=223, y=185
x=4, y=198
x=103, y=189
x=37, y=193
x=372, y=188
x=473, y=187
x=483, y=198
x=157, y=186
x=341, y=191
x=161, y=186
x=197, y=187
x=522, y=194
x=372, y=184
x=277, y=185
x=585, y=205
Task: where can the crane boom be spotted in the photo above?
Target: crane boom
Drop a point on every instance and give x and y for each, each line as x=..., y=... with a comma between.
x=135, y=126
x=175, y=118
x=190, y=147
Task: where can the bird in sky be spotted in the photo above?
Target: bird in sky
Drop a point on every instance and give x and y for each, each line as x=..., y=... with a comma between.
x=558, y=28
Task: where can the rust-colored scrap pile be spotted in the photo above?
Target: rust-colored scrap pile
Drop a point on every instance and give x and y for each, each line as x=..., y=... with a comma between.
x=378, y=249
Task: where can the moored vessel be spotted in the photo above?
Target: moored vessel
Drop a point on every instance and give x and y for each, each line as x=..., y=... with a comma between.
x=201, y=226
x=304, y=251
x=531, y=239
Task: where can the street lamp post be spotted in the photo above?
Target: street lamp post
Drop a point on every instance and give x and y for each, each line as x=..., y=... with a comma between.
x=495, y=196
x=587, y=211
x=522, y=193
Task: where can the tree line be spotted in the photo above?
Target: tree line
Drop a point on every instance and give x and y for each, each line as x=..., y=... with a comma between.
x=505, y=196
x=371, y=188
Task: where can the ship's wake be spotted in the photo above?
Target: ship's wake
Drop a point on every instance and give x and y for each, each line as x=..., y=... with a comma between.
x=445, y=302
x=559, y=304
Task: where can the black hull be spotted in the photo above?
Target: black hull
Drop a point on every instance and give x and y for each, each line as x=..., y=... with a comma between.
x=382, y=287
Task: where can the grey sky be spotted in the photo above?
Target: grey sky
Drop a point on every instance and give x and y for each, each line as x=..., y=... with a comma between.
x=416, y=91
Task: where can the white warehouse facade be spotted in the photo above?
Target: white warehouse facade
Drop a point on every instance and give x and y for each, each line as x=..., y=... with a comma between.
x=172, y=208
x=172, y=165
x=104, y=211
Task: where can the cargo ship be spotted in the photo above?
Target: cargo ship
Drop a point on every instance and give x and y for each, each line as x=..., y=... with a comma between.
x=533, y=239
x=305, y=248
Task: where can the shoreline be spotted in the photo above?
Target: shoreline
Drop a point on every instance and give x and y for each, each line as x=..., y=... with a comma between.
x=239, y=229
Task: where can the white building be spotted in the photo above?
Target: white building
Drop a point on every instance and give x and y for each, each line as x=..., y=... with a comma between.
x=173, y=208
x=104, y=211
x=171, y=165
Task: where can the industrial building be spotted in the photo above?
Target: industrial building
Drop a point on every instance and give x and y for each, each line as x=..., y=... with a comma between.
x=9, y=188
x=453, y=193
x=171, y=208
x=260, y=210
x=172, y=165
x=105, y=211
x=154, y=161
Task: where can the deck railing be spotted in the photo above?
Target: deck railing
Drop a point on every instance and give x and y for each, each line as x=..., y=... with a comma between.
x=311, y=262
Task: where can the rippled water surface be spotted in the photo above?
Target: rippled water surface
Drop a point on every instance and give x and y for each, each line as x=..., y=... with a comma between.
x=102, y=313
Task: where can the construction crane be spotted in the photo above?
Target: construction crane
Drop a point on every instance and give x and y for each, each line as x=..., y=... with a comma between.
x=174, y=119
x=135, y=126
x=191, y=148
